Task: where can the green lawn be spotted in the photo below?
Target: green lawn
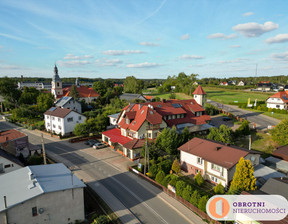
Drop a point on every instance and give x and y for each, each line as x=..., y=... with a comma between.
x=179, y=96
x=275, y=115
x=227, y=95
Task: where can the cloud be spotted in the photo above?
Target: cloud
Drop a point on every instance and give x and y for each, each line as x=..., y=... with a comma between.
x=16, y=38
x=149, y=44
x=108, y=62
x=221, y=36
x=185, y=37
x=237, y=60
x=235, y=46
x=280, y=56
x=10, y=67
x=73, y=63
x=122, y=52
x=248, y=14
x=189, y=57
x=280, y=38
x=74, y=57
x=143, y=65
x=255, y=29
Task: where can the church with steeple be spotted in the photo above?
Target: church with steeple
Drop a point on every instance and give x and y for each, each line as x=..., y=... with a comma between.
x=85, y=93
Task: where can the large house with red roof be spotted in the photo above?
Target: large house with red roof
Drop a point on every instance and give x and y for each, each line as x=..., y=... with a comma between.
x=215, y=161
x=278, y=100
x=136, y=121
x=87, y=94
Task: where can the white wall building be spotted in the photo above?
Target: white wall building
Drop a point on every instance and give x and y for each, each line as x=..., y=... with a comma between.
x=8, y=163
x=69, y=103
x=41, y=194
x=61, y=120
x=278, y=101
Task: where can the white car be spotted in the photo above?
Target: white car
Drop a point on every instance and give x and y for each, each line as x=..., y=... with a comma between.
x=99, y=146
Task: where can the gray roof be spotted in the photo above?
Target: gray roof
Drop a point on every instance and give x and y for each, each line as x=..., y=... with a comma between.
x=277, y=163
x=10, y=157
x=131, y=96
x=266, y=172
x=276, y=186
x=18, y=187
x=63, y=100
x=114, y=115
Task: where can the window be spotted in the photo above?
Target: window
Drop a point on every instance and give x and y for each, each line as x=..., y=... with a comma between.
x=34, y=211
x=59, y=127
x=214, y=179
x=54, y=126
x=47, y=116
x=48, y=124
x=149, y=135
x=53, y=118
x=59, y=119
x=79, y=118
x=7, y=166
x=199, y=160
x=57, y=84
x=215, y=167
x=70, y=119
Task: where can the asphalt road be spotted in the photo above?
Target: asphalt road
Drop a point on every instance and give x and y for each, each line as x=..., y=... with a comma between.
x=138, y=196
x=261, y=121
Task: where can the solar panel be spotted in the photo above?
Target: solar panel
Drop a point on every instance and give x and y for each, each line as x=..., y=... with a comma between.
x=52, y=109
x=176, y=105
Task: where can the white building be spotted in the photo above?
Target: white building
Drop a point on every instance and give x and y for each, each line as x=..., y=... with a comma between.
x=241, y=83
x=61, y=120
x=8, y=163
x=113, y=119
x=278, y=101
x=69, y=102
x=216, y=161
x=41, y=194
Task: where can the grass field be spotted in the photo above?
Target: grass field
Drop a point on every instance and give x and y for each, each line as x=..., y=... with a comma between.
x=226, y=95
x=179, y=96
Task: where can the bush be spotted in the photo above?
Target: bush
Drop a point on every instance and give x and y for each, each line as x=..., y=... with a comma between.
x=219, y=189
x=102, y=219
x=166, y=180
x=195, y=197
x=244, y=129
x=202, y=203
x=35, y=160
x=173, y=182
x=199, y=179
x=165, y=166
x=153, y=171
x=176, y=167
x=180, y=186
x=186, y=194
x=160, y=176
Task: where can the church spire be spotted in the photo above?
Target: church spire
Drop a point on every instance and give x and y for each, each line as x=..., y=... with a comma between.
x=55, y=70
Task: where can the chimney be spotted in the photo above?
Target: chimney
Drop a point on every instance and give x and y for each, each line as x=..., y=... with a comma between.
x=218, y=148
x=31, y=176
x=227, y=144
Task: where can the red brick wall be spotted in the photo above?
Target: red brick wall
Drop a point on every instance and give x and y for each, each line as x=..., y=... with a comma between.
x=190, y=168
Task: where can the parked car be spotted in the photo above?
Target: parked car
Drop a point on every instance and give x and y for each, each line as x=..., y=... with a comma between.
x=91, y=142
x=226, y=118
x=99, y=146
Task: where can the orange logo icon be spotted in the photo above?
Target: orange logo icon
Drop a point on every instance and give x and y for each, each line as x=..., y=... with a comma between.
x=219, y=207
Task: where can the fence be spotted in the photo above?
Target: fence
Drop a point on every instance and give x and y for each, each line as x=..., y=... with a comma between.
x=193, y=208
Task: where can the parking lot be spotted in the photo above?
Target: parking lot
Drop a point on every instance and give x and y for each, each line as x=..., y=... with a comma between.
x=218, y=120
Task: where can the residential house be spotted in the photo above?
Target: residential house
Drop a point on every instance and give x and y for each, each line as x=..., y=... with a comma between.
x=37, y=85
x=286, y=88
x=8, y=162
x=69, y=103
x=131, y=97
x=15, y=143
x=278, y=100
x=136, y=121
x=41, y=194
x=62, y=120
x=232, y=82
x=215, y=161
x=241, y=83
x=196, y=83
x=282, y=153
x=264, y=86
x=223, y=84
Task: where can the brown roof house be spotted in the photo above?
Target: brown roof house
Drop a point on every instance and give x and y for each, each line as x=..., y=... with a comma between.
x=281, y=152
x=15, y=143
x=216, y=161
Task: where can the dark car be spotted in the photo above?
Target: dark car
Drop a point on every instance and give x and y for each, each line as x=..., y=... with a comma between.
x=226, y=118
x=91, y=142
x=99, y=146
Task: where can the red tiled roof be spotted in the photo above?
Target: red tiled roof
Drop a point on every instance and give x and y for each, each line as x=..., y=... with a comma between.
x=199, y=91
x=225, y=156
x=10, y=135
x=134, y=144
x=58, y=112
x=131, y=114
x=82, y=90
x=149, y=97
x=115, y=136
x=283, y=95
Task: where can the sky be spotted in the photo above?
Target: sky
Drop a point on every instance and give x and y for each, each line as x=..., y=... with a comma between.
x=144, y=38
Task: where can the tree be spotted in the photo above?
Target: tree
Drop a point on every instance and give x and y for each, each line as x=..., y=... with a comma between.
x=176, y=167
x=130, y=85
x=243, y=179
x=244, y=129
x=102, y=219
x=153, y=171
x=81, y=130
x=8, y=89
x=199, y=179
x=195, y=197
x=29, y=96
x=186, y=194
x=74, y=92
x=160, y=176
x=202, y=203
x=45, y=101
x=219, y=189
x=180, y=186
x=168, y=140
x=280, y=132
x=165, y=166
x=184, y=137
x=223, y=134
x=99, y=87
x=166, y=180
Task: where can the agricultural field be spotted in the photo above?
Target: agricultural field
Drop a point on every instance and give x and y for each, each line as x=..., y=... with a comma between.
x=227, y=96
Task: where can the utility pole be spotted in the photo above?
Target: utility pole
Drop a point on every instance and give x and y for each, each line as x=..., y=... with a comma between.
x=249, y=136
x=6, y=212
x=43, y=149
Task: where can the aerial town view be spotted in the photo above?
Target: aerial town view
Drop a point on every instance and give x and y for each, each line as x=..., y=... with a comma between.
x=133, y=111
